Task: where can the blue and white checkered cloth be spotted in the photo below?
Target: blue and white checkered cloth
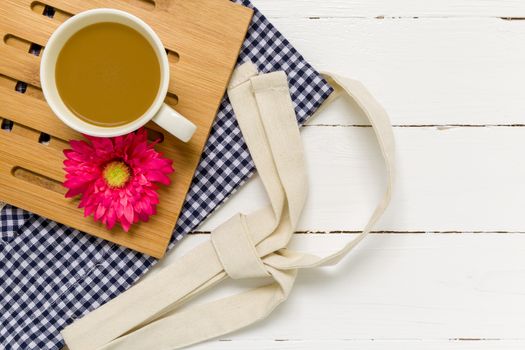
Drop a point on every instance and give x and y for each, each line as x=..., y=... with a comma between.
x=51, y=274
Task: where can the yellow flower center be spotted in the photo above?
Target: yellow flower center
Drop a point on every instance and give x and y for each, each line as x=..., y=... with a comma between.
x=116, y=174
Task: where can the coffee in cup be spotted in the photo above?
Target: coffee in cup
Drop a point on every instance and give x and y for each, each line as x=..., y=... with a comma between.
x=105, y=73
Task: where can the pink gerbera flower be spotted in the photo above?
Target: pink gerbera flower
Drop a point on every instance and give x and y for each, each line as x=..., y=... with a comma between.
x=116, y=177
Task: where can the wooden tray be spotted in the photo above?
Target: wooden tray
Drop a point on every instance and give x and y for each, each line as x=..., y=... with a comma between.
x=202, y=38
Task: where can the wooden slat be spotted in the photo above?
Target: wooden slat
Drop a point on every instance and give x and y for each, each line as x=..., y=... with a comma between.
x=424, y=71
x=371, y=344
x=10, y=84
x=351, y=344
x=15, y=13
x=80, y=6
x=30, y=111
x=19, y=65
x=19, y=149
x=391, y=8
x=449, y=180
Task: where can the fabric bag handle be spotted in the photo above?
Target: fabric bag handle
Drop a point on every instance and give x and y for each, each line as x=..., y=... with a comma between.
x=246, y=246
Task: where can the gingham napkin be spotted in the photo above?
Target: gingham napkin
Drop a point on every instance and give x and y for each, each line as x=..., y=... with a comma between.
x=51, y=274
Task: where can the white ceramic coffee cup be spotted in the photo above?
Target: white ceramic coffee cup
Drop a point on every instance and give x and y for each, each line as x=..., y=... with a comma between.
x=159, y=112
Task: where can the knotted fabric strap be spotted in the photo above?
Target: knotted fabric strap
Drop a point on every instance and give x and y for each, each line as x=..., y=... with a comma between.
x=246, y=246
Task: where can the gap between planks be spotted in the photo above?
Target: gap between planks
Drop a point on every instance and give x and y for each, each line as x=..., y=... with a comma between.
x=345, y=232
x=438, y=126
x=366, y=344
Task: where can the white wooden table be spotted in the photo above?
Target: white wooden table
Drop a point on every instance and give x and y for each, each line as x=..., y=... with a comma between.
x=447, y=270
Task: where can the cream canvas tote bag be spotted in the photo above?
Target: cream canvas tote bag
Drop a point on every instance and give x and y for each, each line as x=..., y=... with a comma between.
x=246, y=246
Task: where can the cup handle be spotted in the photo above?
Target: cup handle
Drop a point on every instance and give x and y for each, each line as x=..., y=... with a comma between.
x=174, y=123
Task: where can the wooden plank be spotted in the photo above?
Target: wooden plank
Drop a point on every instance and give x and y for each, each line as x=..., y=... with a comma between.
x=203, y=39
x=19, y=65
x=455, y=179
x=424, y=71
x=351, y=344
x=395, y=288
x=15, y=13
x=18, y=148
x=391, y=8
x=14, y=106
